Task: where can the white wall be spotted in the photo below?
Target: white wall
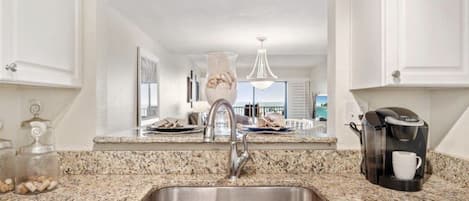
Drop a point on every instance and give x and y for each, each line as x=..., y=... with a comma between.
x=455, y=142
x=9, y=112
x=331, y=67
x=450, y=119
x=118, y=40
x=338, y=70
x=77, y=127
x=318, y=79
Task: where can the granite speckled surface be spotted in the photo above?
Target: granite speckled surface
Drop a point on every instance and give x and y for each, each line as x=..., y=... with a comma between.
x=261, y=162
x=207, y=162
x=341, y=187
x=131, y=136
x=131, y=175
x=450, y=168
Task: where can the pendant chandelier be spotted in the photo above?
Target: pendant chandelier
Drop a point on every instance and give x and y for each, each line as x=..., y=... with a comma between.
x=261, y=76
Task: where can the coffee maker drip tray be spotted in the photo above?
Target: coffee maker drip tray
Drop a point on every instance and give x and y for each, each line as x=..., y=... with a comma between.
x=401, y=185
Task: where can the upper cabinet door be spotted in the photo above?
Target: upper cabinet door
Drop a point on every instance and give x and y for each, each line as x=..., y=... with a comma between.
x=4, y=73
x=427, y=42
x=42, y=41
x=417, y=43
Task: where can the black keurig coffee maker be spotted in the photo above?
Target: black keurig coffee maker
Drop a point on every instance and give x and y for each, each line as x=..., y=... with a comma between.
x=389, y=130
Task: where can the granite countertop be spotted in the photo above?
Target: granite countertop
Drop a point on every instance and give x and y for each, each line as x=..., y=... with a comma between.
x=131, y=175
x=331, y=186
x=132, y=136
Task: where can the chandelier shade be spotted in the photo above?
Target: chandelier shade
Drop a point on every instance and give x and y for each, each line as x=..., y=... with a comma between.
x=261, y=76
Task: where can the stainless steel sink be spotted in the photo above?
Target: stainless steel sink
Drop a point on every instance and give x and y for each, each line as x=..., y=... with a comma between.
x=250, y=193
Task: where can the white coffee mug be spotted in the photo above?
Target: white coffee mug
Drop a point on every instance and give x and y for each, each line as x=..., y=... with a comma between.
x=405, y=164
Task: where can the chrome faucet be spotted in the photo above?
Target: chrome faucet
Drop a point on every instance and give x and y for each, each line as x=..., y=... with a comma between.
x=236, y=162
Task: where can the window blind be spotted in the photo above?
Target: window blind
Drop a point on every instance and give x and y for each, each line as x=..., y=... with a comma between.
x=298, y=100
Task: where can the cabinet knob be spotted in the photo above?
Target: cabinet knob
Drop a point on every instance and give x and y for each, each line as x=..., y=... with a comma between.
x=11, y=67
x=396, y=74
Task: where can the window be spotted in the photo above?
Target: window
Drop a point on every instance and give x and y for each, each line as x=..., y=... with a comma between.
x=272, y=99
x=320, y=109
x=245, y=94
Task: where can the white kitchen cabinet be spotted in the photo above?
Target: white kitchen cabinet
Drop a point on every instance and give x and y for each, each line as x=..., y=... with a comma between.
x=416, y=43
x=41, y=42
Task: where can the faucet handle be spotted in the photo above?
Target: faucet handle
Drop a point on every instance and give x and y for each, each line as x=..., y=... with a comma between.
x=209, y=135
x=245, y=142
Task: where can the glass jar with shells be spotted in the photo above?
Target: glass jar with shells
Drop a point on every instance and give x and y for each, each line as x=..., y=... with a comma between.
x=7, y=166
x=221, y=84
x=221, y=77
x=37, y=164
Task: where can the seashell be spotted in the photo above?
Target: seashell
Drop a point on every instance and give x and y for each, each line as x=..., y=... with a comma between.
x=261, y=123
x=43, y=186
x=277, y=119
x=272, y=120
x=169, y=125
x=52, y=185
x=41, y=178
x=8, y=181
x=224, y=86
x=229, y=77
x=37, y=184
x=21, y=189
x=30, y=186
x=3, y=188
x=227, y=80
x=179, y=125
x=163, y=124
x=212, y=83
x=223, y=76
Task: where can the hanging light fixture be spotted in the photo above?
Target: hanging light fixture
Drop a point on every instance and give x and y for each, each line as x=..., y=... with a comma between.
x=261, y=76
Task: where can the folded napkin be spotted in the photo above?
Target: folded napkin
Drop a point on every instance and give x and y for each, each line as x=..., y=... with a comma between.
x=168, y=123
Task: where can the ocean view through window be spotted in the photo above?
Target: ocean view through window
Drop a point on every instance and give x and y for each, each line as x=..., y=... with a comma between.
x=261, y=102
x=320, y=111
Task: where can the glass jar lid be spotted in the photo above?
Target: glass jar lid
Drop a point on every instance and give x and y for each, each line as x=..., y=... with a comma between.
x=27, y=123
x=35, y=149
x=38, y=129
x=5, y=144
x=35, y=110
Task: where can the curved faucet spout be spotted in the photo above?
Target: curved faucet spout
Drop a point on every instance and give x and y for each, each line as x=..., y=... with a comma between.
x=209, y=133
x=237, y=162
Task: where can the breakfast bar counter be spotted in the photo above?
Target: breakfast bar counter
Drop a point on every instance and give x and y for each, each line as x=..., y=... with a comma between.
x=133, y=140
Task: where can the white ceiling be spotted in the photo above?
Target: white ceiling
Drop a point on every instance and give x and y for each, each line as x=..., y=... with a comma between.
x=279, y=61
x=297, y=28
